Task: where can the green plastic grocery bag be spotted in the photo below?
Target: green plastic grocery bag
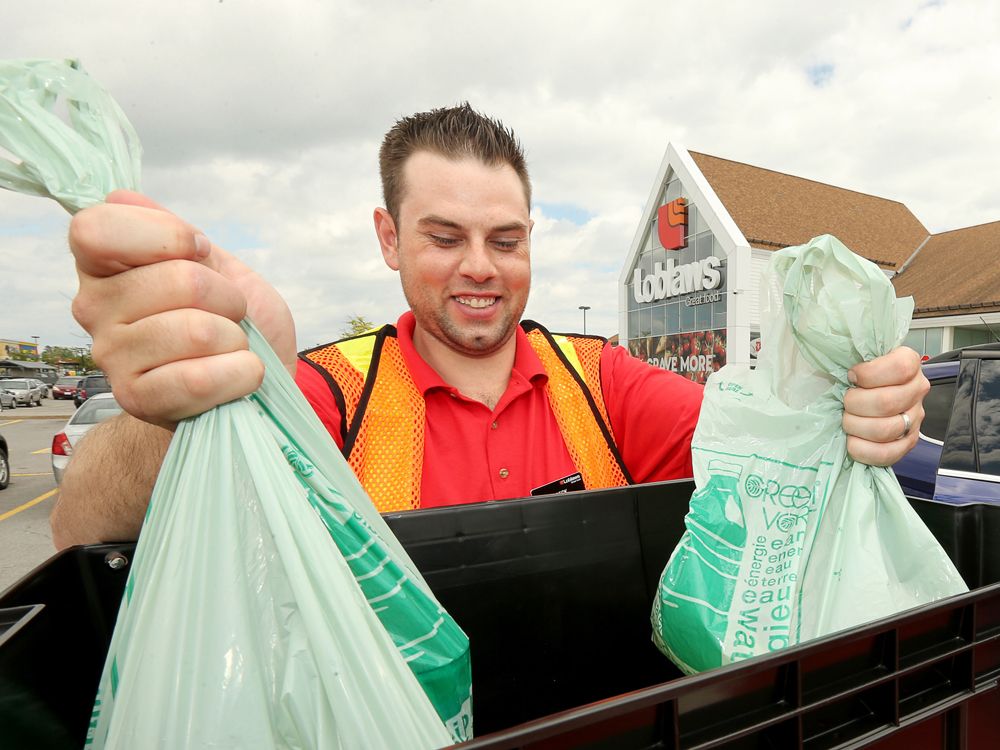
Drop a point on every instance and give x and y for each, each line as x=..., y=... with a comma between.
x=243, y=625
x=268, y=604
x=787, y=538
x=77, y=160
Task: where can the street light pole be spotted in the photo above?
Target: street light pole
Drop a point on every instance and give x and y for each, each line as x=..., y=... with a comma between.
x=38, y=352
x=584, y=308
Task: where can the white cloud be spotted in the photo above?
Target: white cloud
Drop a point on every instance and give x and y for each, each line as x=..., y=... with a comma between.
x=261, y=124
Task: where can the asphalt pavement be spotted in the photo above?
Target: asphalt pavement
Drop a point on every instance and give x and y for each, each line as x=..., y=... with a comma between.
x=50, y=409
x=25, y=539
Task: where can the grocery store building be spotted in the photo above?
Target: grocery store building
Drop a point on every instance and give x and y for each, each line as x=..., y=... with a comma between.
x=689, y=297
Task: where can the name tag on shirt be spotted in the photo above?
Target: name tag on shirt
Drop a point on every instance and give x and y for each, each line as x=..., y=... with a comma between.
x=569, y=483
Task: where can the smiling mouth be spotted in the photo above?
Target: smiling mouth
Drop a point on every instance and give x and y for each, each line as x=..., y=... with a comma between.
x=477, y=303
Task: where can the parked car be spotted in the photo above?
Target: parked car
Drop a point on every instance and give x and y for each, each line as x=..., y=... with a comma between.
x=95, y=410
x=24, y=391
x=957, y=455
x=41, y=385
x=90, y=385
x=7, y=400
x=65, y=387
x=4, y=464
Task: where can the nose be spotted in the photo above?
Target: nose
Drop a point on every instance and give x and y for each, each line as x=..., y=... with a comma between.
x=477, y=262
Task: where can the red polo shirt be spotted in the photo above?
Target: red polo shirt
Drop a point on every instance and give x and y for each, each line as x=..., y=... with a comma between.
x=473, y=453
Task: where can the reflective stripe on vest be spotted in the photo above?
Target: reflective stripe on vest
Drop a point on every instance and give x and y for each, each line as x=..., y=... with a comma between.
x=383, y=411
x=574, y=390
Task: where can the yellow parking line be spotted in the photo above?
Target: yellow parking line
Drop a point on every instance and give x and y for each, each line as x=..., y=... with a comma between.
x=29, y=504
x=43, y=474
x=42, y=450
x=12, y=421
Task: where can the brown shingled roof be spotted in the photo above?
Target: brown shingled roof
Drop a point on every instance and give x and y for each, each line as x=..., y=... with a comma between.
x=955, y=273
x=776, y=210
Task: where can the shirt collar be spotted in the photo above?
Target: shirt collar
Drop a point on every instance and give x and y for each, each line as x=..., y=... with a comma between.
x=526, y=362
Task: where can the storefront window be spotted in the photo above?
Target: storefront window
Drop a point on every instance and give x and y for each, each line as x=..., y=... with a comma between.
x=673, y=191
x=694, y=222
x=673, y=317
x=915, y=340
x=935, y=338
x=703, y=317
x=971, y=337
x=687, y=318
x=925, y=341
x=646, y=263
x=658, y=327
x=705, y=246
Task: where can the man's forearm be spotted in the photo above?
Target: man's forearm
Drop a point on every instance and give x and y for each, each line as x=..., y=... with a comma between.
x=108, y=482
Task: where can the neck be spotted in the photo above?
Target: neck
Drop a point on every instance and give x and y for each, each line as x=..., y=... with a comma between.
x=481, y=378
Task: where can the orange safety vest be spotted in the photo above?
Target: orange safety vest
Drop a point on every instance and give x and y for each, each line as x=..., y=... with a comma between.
x=382, y=411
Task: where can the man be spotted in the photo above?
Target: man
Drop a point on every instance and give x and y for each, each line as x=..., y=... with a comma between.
x=467, y=404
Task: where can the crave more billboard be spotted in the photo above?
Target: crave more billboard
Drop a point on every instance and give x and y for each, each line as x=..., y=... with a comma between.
x=677, y=291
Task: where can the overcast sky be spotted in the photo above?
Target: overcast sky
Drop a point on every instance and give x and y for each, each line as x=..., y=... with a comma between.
x=261, y=121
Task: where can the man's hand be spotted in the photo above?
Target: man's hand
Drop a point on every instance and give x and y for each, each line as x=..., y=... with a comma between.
x=163, y=306
x=887, y=387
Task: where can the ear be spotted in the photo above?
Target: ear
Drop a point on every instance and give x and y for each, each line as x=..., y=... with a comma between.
x=385, y=228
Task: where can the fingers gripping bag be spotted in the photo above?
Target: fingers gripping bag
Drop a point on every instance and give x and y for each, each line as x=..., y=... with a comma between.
x=787, y=538
x=268, y=604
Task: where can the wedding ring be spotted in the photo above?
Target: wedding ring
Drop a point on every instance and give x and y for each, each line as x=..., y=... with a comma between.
x=906, y=425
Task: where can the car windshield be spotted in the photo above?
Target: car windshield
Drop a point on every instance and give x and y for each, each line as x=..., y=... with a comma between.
x=96, y=382
x=18, y=385
x=67, y=381
x=96, y=410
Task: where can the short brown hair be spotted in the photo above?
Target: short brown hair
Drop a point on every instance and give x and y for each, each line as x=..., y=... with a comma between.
x=452, y=132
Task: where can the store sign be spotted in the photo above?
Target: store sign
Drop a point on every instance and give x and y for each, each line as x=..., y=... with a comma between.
x=671, y=224
x=673, y=280
x=703, y=299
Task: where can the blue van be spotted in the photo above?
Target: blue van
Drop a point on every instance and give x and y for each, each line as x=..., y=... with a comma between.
x=957, y=456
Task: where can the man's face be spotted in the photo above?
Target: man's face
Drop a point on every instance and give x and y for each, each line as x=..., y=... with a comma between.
x=462, y=250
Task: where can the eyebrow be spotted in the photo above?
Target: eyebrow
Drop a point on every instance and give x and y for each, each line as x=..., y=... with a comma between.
x=440, y=221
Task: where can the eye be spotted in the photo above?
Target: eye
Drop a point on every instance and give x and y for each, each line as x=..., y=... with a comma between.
x=506, y=244
x=443, y=241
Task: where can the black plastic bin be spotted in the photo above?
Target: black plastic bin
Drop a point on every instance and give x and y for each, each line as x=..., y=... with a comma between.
x=555, y=595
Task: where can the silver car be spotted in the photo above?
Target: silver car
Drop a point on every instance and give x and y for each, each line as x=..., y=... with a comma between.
x=42, y=386
x=23, y=390
x=6, y=400
x=91, y=413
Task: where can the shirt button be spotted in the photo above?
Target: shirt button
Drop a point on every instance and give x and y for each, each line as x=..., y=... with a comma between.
x=504, y=473
x=493, y=426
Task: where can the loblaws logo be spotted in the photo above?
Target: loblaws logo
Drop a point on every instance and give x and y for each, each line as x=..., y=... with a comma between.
x=671, y=224
x=673, y=280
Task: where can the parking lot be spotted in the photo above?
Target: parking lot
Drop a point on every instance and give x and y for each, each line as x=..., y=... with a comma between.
x=25, y=540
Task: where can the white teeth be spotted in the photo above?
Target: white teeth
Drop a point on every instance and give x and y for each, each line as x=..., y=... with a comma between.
x=477, y=302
